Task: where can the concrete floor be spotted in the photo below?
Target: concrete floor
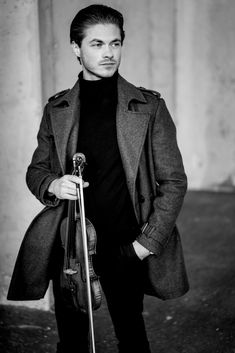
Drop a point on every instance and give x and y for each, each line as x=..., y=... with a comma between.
x=203, y=321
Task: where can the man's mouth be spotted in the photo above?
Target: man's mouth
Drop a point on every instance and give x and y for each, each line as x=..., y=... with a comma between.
x=108, y=63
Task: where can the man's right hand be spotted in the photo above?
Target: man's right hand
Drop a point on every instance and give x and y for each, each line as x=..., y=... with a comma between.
x=65, y=187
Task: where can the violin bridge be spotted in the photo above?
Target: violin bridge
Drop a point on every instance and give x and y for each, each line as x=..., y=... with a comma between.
x=69, y=271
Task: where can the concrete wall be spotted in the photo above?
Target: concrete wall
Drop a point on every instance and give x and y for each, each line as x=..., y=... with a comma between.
x=183, y=48
x=20, y=113
x=205, y=89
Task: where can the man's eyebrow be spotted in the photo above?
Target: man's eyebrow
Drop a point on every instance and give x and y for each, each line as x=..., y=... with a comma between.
x=101, y=41
x=96, y=40
x=116, y=40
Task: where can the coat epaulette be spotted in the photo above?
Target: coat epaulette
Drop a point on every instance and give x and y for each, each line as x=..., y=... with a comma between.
x=57, y=95
x=155, y=93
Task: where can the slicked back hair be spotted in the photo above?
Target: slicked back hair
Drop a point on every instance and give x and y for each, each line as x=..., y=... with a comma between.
x=93, y=15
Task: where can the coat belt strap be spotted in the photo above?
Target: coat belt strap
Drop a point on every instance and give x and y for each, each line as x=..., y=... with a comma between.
x=147, y=229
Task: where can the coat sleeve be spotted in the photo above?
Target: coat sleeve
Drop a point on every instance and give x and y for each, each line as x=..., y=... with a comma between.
x=170, y=182
x=41, y=170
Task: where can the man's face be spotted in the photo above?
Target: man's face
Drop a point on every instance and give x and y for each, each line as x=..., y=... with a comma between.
x=100, y=51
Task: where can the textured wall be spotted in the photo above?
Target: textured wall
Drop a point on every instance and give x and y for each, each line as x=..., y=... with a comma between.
x=20, y=102
x=205, y=91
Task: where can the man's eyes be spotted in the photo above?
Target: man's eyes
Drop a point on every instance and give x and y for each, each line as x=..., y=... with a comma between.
x=116, y=44
x=97, y=45
x=113, y=45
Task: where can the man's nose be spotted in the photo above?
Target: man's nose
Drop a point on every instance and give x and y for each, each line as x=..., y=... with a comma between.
x=108, y=52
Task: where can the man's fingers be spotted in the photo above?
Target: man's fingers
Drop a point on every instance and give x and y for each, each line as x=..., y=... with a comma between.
x=74, y=179
x=70, y=197
x=69, y=191
x=65, y=187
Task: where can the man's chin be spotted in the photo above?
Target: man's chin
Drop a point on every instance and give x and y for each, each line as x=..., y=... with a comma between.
x=99, y=74
x=107, y=73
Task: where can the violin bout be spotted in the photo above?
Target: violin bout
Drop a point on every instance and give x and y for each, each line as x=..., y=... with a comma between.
x=73, y=277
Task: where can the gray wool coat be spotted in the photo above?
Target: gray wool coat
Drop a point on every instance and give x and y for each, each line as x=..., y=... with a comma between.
x=155, y=179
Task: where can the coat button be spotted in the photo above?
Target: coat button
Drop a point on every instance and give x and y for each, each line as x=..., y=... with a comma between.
x=141, y=198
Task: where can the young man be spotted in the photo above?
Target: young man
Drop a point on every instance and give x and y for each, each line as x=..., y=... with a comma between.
x=134, y=185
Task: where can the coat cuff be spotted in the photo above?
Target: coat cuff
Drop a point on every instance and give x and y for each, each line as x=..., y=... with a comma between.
x=46, y=198
x=148, y=241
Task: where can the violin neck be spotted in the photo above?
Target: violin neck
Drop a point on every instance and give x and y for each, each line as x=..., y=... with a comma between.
x=70, y=244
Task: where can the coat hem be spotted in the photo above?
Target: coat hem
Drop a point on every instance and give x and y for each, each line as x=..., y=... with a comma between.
x=169, y=295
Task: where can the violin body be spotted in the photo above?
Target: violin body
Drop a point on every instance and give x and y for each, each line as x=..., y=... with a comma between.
x=78, y=281
x=73, y=276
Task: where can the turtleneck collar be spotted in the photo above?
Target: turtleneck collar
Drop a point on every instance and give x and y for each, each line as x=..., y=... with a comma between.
x=104, y=84
x=99, y=97
x=99, y=93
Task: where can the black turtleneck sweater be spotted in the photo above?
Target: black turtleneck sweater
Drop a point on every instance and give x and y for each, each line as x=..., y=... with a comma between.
x=107, y=200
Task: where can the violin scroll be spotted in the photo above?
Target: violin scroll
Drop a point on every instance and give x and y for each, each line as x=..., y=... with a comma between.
x=79, y=162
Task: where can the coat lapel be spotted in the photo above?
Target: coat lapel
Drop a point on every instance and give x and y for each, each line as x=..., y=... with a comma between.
x=131, y=130
x=65, y=116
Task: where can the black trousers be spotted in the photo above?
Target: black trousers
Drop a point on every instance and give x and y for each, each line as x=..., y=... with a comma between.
x=121, y=280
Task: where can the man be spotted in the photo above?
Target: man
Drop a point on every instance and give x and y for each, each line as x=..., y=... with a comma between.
x=134, y=185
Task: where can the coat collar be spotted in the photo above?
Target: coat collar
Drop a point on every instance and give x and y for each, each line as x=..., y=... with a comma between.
x=126, y=93
x=131, y=127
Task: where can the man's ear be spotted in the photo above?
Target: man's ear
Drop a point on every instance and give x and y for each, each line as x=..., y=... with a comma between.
x=76, y=49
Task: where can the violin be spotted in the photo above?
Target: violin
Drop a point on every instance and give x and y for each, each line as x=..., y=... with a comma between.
x=79, y=238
